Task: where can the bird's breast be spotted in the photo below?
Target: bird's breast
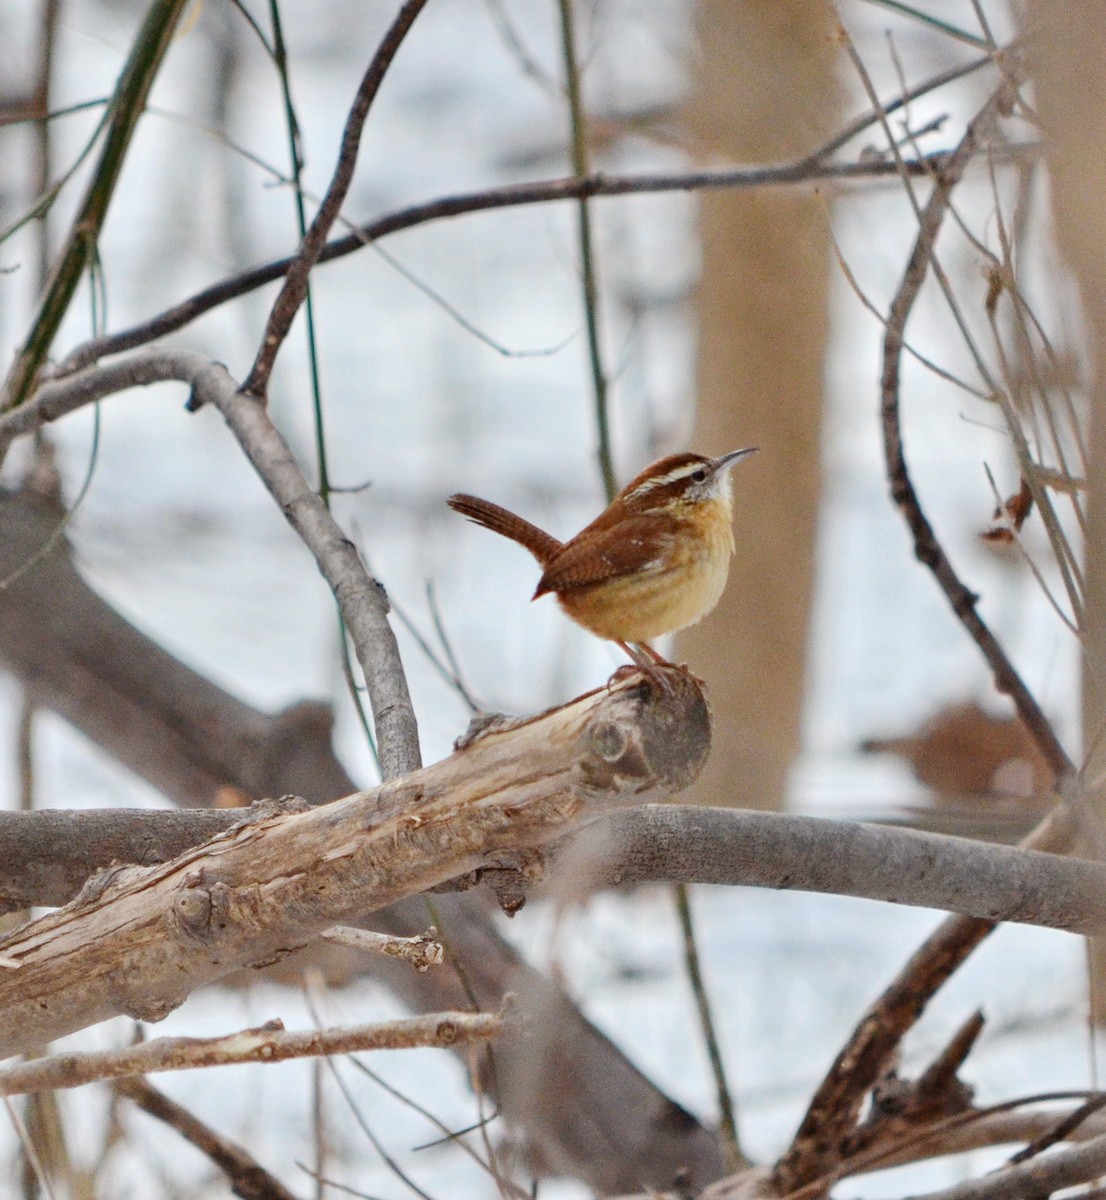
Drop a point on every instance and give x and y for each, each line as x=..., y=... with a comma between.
x=682, y=582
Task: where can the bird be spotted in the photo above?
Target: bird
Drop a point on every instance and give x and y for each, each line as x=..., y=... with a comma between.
x=653, y=562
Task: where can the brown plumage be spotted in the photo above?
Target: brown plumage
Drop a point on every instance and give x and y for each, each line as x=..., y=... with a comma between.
x=653, y=562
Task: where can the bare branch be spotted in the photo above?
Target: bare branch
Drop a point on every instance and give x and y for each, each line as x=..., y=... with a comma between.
x=199, y=745
x=294, y=290
x=421, y=951
x=1032, y=1180
x=267, y=1043
x=246, y=1176
x=800, y=172
x=362, y=601
x=50, y=854
x=139, y=940
x=837, y=1102
x=926, y=546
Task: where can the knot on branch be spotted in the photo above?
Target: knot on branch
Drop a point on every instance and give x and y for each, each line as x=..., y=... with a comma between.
x=650, y=736
x=200, y=910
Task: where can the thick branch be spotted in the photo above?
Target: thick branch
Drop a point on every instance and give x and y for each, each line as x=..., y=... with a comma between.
x=139, y=940
x=193, y=741
x=50, y=854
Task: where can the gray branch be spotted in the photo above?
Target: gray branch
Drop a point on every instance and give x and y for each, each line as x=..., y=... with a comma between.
x=362, y=601
x=49, y=854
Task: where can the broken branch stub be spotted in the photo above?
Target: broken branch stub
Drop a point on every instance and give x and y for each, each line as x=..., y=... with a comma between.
x=138, y=940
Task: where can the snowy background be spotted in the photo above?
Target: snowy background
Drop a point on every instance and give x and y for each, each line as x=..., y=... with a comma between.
x=179, y=535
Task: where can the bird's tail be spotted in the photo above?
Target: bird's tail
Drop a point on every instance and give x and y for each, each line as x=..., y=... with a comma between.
x=541, y=545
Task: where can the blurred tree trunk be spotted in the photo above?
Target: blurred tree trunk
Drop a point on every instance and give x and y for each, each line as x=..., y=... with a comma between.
x=766, y=90
x=1068, y=51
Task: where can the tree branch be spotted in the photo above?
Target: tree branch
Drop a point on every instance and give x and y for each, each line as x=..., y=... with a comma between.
x=802, y=171
x=361, y=600
x=139, y=940
x=247, y=1177
x=837, y=1102
x=294, y=289
x=1033, y=1180
x=421, y=951
x=50, y=854
x=127, y=105
x=268, y=1043
x=200, y=746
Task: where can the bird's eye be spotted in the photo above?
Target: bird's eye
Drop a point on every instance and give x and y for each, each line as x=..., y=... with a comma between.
x=700, y=476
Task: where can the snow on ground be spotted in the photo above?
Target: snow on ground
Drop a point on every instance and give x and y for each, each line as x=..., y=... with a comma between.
x=178, y=533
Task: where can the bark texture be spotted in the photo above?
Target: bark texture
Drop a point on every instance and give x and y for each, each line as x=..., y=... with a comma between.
x=137, y=941
x=765, y=89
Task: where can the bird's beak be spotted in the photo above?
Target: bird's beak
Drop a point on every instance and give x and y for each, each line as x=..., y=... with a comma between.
x=725, y=461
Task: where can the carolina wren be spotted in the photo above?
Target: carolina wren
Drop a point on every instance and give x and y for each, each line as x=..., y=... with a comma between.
x=654, y=562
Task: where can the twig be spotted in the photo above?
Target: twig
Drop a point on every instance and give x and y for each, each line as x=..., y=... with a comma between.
x=1030, y=1181
x=727, y=1124
x=294, y=289
x=927, y=548
x=362, y=602
x=589, y=282
x=268, y=1043
x=246, y=1176
x=421, y=951
x=455, y=1137
x=27, y=1145
x=128, y=102
x=1061, y=1130
x=837, y=1101
x=800, y=171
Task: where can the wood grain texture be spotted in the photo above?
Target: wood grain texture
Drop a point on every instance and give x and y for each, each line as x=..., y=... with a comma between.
x=137, y=941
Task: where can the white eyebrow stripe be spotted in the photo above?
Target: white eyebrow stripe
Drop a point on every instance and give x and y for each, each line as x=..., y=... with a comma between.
x=669, y=477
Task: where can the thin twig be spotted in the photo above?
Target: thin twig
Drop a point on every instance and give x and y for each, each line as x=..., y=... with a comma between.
x=246, y=1176
x=589, y=281
x=927, y=548
x=1061, y=1130
x=1041, y=1177
x=455, y=1137
x=858, y=1065
x=801, y=171
x=727, y=1124
x=294, y=289
x=127, y=104
x=268, y=1043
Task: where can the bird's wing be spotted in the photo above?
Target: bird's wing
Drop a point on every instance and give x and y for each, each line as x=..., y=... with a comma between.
x=630, y=546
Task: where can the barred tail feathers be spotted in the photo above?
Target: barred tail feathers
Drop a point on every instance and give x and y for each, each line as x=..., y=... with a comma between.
x=542, y=546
